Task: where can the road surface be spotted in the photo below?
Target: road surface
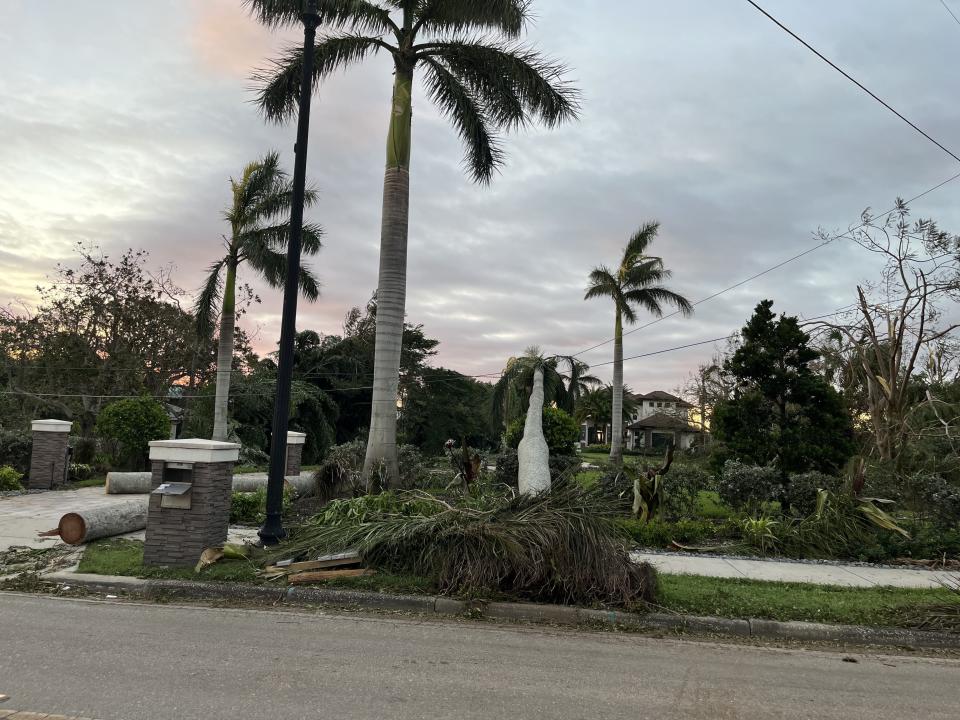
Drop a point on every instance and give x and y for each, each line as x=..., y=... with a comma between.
x=131, y=661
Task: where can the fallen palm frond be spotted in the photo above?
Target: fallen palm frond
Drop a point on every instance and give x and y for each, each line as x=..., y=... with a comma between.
x=939, y=617
x=561, y=546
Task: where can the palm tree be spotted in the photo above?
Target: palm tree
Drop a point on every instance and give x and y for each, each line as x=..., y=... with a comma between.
x=478, y=76
x=635, y=282
x=511, y=393
x=259, y=230
x=579, y=381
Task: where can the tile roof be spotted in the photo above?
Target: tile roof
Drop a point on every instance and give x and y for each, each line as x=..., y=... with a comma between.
x=662, y=421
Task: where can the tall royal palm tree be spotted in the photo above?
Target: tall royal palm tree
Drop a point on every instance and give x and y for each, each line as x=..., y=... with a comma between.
x=635, y=282
x=259, y=218
x=477, y=74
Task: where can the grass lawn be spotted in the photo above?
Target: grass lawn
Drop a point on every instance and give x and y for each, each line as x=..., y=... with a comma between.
x=696, y=595
x=688, y=594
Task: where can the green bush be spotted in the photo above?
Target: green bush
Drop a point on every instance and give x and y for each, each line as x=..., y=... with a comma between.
x=130, y=425
x=79, y=472
x=10, y=478
x=801, y=490
x=941, y=501
x=559, y=429
x=342, y=469
x=748, y=487
x=251, y=508
x=682, y=487
x=15, y=448
x=661, y=534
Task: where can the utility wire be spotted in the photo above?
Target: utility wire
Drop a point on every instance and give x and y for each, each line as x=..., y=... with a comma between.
x=856, y=82
x=779, y=265
x=952, y=14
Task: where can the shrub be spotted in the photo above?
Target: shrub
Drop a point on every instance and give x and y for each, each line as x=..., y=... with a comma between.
x=131, y=424
x=84, y=450
x=508, y=467
x=682, y=487
x=748, y=486
x=559, y=429
x=342, y=469
x=801, y=490
x=561, y=546
x=78, y=472
x=250, y=508
x=15, y=448
x=597, y=449
x=251, y=456
x=941, y=502
x=661, y=534
x=10, y=478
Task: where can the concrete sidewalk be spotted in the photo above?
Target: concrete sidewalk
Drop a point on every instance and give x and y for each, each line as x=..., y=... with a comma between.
x=814, y=573
x=23, y=516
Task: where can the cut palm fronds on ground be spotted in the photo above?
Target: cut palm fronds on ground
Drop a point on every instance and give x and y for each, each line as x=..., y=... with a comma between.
x=940, y=617
x=561, y=546
x=212, y=555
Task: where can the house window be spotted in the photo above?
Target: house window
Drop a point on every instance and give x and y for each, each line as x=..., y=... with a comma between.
x=659, y=404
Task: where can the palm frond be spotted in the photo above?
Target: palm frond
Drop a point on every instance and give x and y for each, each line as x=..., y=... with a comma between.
x=461, y=107
x=205, y=307
x=277, y=237
x=278, y=86
x=640, y=242
x=508, y=17
x=359, y=15
x=654, y=298
x=602, y=283
x=309, y=285
x=508, y=78
x=561, y=546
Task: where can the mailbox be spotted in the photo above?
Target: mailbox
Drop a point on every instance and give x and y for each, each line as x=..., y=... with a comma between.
x=189, y=508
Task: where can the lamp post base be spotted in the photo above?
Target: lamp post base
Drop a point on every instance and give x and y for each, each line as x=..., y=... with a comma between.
x=272, y=531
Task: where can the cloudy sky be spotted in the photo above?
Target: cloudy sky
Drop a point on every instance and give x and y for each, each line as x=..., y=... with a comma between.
x=120, y=124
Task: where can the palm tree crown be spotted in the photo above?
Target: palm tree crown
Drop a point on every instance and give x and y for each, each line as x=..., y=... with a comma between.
x=259, y=230
x=473, y=68
x=634, y=283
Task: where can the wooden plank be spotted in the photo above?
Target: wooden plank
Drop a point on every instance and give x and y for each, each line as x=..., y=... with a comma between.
x=305, y=578
x=344, y=559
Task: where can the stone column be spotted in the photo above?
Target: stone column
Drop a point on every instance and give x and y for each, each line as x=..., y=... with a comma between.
x=295, y=442
x=48, y=459
x=180, y=526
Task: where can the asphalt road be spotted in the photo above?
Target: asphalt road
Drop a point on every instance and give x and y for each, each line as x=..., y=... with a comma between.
x=130, y=661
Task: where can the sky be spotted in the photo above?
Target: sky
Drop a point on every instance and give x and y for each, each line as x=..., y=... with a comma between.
x=121, y=123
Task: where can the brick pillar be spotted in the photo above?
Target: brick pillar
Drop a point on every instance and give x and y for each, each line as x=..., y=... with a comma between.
x=179, y=527
x=295, y=442
x=48, y=459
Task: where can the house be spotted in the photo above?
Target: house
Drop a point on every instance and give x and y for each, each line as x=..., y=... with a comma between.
x=658, y=419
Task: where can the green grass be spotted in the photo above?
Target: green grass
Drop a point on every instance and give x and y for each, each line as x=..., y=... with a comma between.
x=686, y=594
x=125, y=557
x=710, y=506
x=723, y=597
x=97, y=481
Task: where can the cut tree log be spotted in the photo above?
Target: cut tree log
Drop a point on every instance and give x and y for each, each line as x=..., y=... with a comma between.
x=76, y=528
x=132, y=483
x=305, y=578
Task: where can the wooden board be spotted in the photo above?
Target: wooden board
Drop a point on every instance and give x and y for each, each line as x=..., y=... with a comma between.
x=305, y=578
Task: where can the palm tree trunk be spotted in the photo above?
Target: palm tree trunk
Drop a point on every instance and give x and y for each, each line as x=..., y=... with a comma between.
x=221, y=426
x=616, y=416
x=380, y=467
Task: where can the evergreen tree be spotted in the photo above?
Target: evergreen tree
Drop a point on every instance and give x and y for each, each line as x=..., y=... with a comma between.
x=782, y=413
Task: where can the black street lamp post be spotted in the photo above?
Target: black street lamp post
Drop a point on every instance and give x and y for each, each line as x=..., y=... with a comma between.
x=272, y=531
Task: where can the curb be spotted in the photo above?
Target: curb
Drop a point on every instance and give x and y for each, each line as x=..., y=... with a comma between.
x=516, y=612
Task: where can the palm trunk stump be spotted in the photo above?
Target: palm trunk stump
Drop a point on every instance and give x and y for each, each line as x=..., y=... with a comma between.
x=189, y=507
x=533, y=453
x=49, y=457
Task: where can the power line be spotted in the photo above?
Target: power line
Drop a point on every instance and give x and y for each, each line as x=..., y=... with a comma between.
x=952, y=14
x=856, y=82
x=776, y=267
